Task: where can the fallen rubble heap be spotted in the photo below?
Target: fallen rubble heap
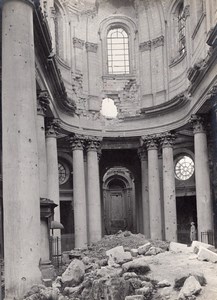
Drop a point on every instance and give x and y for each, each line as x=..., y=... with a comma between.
x=118, y=268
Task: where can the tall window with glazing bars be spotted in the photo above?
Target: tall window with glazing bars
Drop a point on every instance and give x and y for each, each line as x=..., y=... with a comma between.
x=118, y=51
x=181, y=29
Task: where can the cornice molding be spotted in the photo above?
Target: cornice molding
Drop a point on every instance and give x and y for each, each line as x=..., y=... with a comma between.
x=174, y=104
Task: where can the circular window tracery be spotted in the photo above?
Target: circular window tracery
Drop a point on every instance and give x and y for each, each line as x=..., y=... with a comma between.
x=63, y=173
x=184, y=168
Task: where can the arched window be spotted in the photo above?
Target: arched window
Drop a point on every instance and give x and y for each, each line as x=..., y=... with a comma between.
x=118, y=51
x=181, y=28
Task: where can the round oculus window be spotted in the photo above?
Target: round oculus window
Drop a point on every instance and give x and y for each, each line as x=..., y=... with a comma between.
x=63, y=173
x=184, y=168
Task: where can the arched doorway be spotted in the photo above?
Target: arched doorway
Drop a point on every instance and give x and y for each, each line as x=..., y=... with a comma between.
x=119, y=200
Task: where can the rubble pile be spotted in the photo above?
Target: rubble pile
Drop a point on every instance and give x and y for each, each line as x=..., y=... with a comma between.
x=120, y=267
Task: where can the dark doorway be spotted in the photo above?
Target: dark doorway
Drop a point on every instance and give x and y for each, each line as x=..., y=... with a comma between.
x=67, y=219
x=186, y=213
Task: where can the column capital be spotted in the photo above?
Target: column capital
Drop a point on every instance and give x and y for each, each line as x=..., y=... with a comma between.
x=77, y=142
x=142, y=153
x=93, y=144
x=167, y=139
x=151, y=142
x=198, y=123
x=52, y=127
x=43, y=101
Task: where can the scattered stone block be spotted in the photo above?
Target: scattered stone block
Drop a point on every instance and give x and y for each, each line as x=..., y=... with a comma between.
x=154, y=251
x=190, y=288
x=144, y=248
x=135, y=283
x=138, y=265
x=75, y=254
x=86, y=260
x=135, y=297
x=145, y=291
x=179, y=281
x=163, y=283
x=117, y=255
x=57, y=282
x=65, y=257
x=207, y=255
x=134, y=252
x=74, y=274
x=129, y=275
x=109, y=272
x=69, y=291
x=166, y=292
x=178, y=247
x=196, y=245
x=114, y=288
x=200, y=277
x=47, y=282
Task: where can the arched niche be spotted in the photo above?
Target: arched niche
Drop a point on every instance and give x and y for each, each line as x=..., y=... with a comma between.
x=118, y=200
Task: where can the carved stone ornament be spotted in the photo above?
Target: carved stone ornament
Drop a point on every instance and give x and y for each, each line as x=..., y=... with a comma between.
x=167, y=139
x=187, y=11
x=93, y=144
x=52, y=127
x=43, y=100
x=91, y=47
x=159, y=41
x=213, y=91
x=198, y=124
x=78, y=43
x=145, y=46
x=77, y=142
x=142, y=153
x=151, y=142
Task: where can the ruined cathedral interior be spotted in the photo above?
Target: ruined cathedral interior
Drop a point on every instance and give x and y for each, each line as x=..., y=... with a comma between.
x=108, y=123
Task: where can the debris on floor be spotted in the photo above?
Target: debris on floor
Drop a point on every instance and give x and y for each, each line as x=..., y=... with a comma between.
x=127, y=266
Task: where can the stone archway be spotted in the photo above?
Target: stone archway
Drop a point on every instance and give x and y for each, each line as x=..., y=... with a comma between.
x=119, y=200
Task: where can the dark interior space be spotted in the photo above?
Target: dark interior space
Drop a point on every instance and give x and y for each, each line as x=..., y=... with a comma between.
x=186, y=213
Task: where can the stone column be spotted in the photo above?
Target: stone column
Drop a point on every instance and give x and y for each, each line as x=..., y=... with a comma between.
x=42, y=101
x=93, y=191
x=52, y=167
x=151, y=143
x=79, y=193
x=20, y=152
x=170, y=218
x=145, y=201
x=202, y=177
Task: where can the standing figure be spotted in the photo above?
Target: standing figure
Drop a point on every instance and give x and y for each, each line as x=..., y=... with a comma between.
x=193, y=232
